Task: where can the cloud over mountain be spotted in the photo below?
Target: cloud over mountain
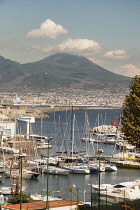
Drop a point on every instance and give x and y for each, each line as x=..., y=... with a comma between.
x=116, y=55
x=79, y=45
x=127, y=70
x=84, y=47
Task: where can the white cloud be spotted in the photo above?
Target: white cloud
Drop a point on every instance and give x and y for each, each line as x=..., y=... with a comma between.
x=47, y=29
x=128, y=70
x=116, y=55
x=82, y=46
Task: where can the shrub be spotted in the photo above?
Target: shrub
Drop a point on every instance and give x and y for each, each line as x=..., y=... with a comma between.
x=16, y=199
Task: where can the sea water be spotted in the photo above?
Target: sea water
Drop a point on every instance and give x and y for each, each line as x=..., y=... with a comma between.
x=58, y=126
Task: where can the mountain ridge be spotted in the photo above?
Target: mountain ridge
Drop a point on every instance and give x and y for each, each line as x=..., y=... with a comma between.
x=60, y=70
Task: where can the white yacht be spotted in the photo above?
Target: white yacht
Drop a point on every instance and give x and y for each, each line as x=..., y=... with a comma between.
x=39, y=197
x=26, y=174
x=79, y=169
x=41, y=141
x=88, y=139
x=55, y=170
x=7, y=190
x=128, y=190
x=94, y=167
x=110, y=167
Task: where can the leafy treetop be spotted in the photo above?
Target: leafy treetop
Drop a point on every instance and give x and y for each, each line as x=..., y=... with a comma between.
x=131, y=113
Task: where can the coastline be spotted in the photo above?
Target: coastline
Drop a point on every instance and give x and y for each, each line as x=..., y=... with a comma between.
x=12, y=112
x=42, y=112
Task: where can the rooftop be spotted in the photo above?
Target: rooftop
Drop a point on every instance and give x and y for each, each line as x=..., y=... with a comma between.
x=42, y=204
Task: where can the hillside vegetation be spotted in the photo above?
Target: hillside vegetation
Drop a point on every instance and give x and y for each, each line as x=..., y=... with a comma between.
x=57, y=71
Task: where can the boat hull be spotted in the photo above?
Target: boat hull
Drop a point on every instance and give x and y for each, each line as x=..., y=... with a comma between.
x=56, y=171
x=125, y=164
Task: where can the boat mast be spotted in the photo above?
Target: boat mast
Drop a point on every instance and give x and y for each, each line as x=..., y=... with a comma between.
x=72, y=131
x=55, y=132
x=97, y=146
x=87, y=135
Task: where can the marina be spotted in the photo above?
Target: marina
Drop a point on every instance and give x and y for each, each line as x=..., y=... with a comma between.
x=58, y=182
x=70, y=105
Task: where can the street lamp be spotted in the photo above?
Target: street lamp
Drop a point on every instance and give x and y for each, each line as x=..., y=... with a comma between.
x=47, y=196
x=77, y=192
x=99, y=153
x=21, y=156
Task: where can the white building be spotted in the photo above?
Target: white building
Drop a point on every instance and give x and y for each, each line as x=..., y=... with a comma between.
x=8, y=129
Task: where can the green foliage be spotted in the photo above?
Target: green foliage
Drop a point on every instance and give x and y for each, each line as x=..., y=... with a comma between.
x=131, y=113
x=16, y=199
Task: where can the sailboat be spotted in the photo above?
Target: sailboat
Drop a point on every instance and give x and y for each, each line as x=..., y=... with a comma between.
x=40, y=141
x=126, y=163
x=110, y=167
x=68, y=148
x=55, y=170
x=127, y=158
x=87, y=137
x=78, y=169
x=15, y=174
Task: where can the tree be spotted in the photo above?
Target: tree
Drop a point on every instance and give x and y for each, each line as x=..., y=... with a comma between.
x=131, y=113
x=16, y=199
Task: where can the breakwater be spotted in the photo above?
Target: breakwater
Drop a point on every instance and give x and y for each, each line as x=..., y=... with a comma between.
x=42, y=112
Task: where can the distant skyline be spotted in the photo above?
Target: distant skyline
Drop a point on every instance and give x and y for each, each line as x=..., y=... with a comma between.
x=105, y=31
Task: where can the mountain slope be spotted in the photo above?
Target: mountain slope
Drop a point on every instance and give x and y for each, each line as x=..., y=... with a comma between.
x=76, y=69
x=9, y=70
x=61, y=71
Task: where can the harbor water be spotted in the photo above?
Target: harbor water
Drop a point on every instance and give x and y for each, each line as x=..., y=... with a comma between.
x=56, y=127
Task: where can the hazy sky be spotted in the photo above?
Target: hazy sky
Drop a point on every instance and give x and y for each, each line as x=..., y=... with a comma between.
x=105, y=31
